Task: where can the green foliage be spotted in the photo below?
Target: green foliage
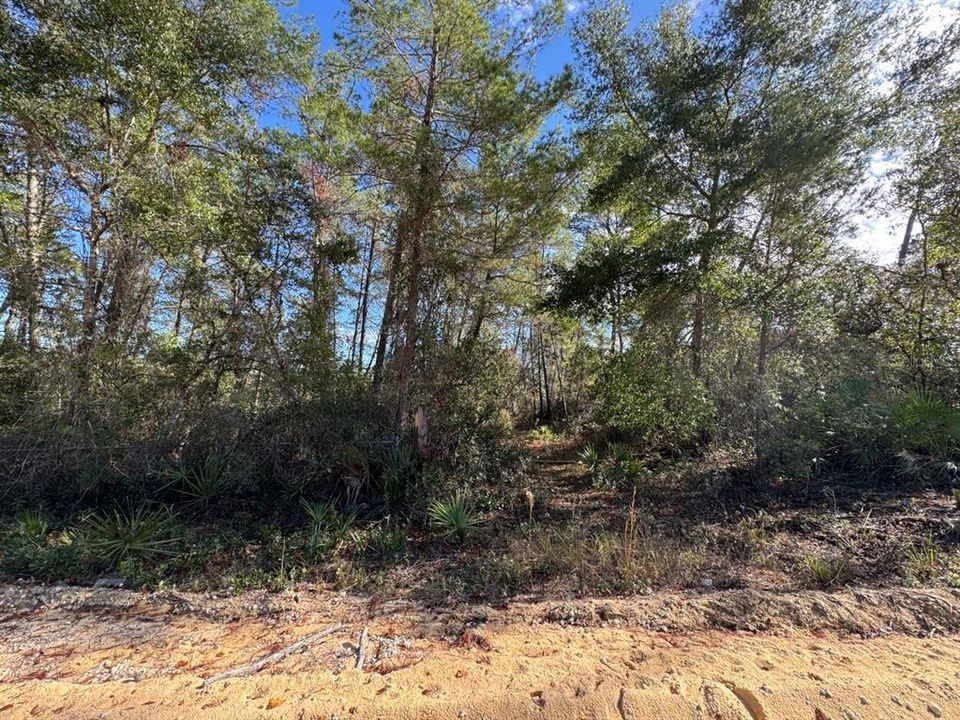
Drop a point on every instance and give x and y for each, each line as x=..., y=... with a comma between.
x=924, y=423
x=454, y=516
x=653, y=400
x=57, y=558
x=31, y=526
x=134, y=533
x=318, y=513
x=923, y=561
x=543, y=433
x=683, y=231
x=824, y=571
x=395, y=474
x=202, y=482
x=590, y=457
x=619, y=469
x=856, y=426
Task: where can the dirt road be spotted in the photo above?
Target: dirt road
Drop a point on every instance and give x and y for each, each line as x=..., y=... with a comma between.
x=70, y=653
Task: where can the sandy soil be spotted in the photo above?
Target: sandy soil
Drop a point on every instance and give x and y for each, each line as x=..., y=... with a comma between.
x=75, y=653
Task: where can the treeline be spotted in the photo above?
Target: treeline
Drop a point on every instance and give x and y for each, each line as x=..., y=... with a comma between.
x=351, y=274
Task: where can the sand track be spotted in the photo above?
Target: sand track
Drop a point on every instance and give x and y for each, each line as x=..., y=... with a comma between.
x=76, y=653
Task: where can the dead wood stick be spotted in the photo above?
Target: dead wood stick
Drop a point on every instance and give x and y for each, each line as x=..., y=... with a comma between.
x=361, y=648
x=259, y=665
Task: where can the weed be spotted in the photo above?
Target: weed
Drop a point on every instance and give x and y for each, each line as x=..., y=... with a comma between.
x=395, y=469
x=543, y=433
x=752, y=535
x=358, y=473
x=453, y=516
x=134, y=533
x=201, y=483
x=620, y=469
x=923, y=560
x=825, y=571
x=31, y=526
x=33, y=551
x=590, y=457
x=387, y=539
x=318, y=513
x=630, y=535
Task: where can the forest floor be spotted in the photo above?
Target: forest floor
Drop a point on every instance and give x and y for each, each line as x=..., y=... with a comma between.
x=695, y=524
x=698, y=524
x=733, y=655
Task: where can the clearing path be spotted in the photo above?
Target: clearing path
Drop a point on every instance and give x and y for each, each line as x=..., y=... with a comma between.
x=736, y=655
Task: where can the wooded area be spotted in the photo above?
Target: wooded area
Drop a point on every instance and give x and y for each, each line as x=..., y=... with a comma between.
x=323, y=304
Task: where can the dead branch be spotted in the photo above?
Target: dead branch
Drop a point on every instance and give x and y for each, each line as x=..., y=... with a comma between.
x=259, y=665
x=361, y=648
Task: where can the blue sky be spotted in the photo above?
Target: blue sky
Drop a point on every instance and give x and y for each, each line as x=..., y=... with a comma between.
x=323, y=15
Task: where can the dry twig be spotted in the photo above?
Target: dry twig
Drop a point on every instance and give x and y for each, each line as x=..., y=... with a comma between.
x=361, y=648
x=259, y=665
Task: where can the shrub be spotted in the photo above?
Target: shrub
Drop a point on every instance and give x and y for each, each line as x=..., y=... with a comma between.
x=652, y=399
x=140, y=533
x=31, y=526
x=925, y=424
x=202, y=482
x=590, y=457
x=467, y=398
x=318, y=513
x=396, y=470
x=620, y=467
x=453, y=516
x=59, y=557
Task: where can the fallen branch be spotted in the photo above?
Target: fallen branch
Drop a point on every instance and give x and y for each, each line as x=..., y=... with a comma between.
x=361, y=648
x=259, y=665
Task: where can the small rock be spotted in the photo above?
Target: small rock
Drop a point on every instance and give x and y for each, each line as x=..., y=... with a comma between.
x=114, y=583
x=706, y=582
x=895, y=699
x=934, y=710
x=826, y=693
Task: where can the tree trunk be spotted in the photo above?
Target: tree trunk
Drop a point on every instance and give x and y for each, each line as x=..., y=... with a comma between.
x=31, y=271
x=907, y=237
x=124, y=271
x=414, y=226
x=92, y=291
x=545, y=373
x=762, y=346
x=365, y=296
x=386, y=322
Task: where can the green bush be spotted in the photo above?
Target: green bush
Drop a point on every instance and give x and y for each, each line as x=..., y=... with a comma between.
x=454, y=516
x=856, y=427
x=467, y=403
x=140, y=532
x=652, y=399
x=925, y=424
x=29, y=548
x=618, y=469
